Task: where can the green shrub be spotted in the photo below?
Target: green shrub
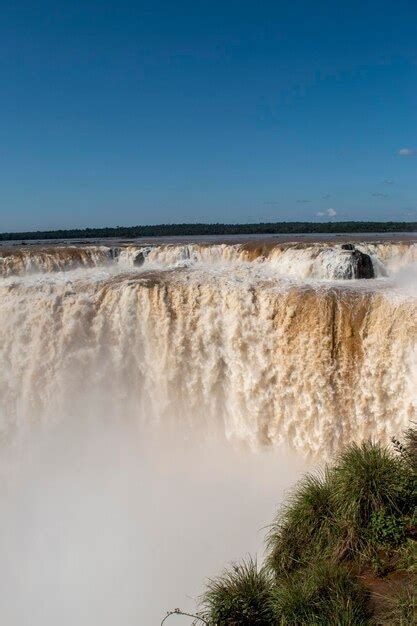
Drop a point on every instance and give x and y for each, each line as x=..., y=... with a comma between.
x=408, y=499
x=362, y=511
x=240, y=596
x=361, y=500
x=305, y=527
x=321, y=595
x=387, y=529
x=367, y=479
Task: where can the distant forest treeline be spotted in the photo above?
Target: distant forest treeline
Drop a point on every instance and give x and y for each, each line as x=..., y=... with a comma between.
x=161, y=230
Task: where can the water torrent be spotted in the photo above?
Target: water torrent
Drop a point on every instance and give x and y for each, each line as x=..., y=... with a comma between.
x=264, y=341
x=301, y=260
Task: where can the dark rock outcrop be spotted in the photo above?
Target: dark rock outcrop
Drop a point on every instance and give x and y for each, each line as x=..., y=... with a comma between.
x=114, y=253
x=139, y=259
x=360, y=265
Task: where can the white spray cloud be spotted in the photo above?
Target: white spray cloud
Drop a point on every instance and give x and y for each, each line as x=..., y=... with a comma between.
x=103, y=524
x=407, y=152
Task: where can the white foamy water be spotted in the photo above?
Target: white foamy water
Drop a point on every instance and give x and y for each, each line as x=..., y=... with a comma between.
x=257, y=341
x=321, y=261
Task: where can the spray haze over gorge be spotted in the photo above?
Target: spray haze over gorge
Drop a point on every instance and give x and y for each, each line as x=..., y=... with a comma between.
x=148, y=390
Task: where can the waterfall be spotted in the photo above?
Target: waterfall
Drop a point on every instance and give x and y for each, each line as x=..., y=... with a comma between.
x=266, y=342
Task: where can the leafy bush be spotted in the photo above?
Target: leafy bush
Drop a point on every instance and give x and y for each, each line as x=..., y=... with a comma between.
x=387, y=529
x=322, y=595
x=240, y=596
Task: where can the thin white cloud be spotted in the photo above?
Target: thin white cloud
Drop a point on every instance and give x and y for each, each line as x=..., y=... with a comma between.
x=407, y=152
x=328, y=212
x=380, y=195
x=303, y=201
x=388, y=181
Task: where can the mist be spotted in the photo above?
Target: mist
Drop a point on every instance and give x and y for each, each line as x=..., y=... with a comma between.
x=105, y=522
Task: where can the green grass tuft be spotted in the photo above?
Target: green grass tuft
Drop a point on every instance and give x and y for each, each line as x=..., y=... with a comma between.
x=401, y=608
x=358, y=514
x=305, y=526
x=367, y=480
x=240, y=596
x=325, y=594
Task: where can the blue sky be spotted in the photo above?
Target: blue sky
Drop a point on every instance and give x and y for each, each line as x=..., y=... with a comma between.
x=122, y=113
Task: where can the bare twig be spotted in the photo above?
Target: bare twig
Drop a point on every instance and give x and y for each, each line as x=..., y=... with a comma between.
x=197, y=618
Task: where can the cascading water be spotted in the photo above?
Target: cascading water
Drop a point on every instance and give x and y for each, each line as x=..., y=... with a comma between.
x=264, y=340
x=299, y=260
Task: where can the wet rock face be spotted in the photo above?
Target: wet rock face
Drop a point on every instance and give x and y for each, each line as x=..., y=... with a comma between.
x=360, y=265
x=364, y=267
x=139, y=259
x=114, y=253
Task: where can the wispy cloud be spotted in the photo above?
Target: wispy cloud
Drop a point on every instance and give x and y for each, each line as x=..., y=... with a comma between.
x=388, y=181
x=407, y=152
x=303, y=201
x=327, y=212
x=326, y=196
x=380, y=195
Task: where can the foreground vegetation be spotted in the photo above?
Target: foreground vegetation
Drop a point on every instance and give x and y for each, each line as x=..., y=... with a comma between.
x=174, y=230
x=342, y=551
